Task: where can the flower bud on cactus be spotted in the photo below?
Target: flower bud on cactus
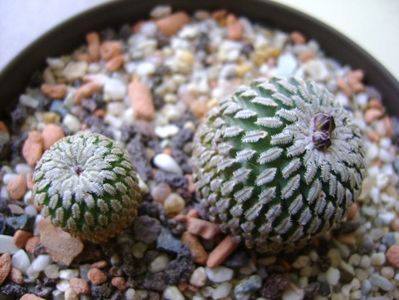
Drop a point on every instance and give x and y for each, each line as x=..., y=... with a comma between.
x=87, y=185
x=278, y=163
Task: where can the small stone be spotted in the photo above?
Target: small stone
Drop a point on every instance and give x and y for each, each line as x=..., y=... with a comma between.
x=20, y=261
x=388, y=272
x=146, y=229
x=21, y=237
x=171, y=24
x=32, y=149
x=234, y=28
x=80, y=286
x=286, y=64
x=7, y=244
x=166, y=131
x=72, y=123
x=75, y=70
x=172, y=293
x=93, y=47
x=381, y=282
x=16, y=276
x=202, y=228
x=372, y=114
x=62, y=247
x=16, y=188
x=248, y=285
x=141, y=100
x=119, y=283
x=219, y=274
x=316, y=69
x=31, y=244
x=5, y=267
x=130, y=294
x=167, y=163
x=221, y=290
x=30, y=297
x=297, y=37
x=173, y=204
x=293, y=293
x=159, y=263
x=139, y=249
x=87, y=90
x=198, y=277
x=377, y=259
x=68, y=274
x=167, y=242
x=101, y=264
x=70, y=294
x=393, y=255
x=114, y=89
x=115, y=63
x=160, y=192
x=51, y=134
x=54, y=91
x=52, y=271
x=197, y=251
x=110, y=49
x=40, y=263
x=96, y=276
x=221, y=252
x=332, y=276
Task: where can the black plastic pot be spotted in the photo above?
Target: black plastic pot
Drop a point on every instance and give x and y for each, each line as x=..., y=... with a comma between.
x=70, y=34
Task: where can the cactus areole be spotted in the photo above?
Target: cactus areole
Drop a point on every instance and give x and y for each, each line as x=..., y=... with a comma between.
x=278, y=163
x=87, y=185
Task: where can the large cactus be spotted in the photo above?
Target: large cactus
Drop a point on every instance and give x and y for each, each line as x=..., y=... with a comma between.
x=277, y=163
x=87, y=185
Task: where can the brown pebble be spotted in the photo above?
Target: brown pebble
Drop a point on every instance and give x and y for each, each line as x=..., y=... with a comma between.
x=373, y=114
x=16, y=188
x=79, y=286
x=388, y=127
x=110, y=49
x=30, y=297
x=3, y=127
x=54, y=91
x=160, y=192
x=115, y=63
x=119, y=283
x=21, y=237
x=16, y=276
x=5, y=266
x=60, y=245
x=297, y=38
x=32, y=149
x=99, y=264
x=93, y=46
x=96, y=276
x=197, y=251
x=395, y=224
x=86, y=90
x=191, y=185
x=375, y=103
x=347, y=239
x=234, y=28
x=141, y=100
x=220, y=16
x=51, y=134
x=171, y=24
x=202, y=228
x=352, y=211
x=199, y=107
x=393, y=255
x=221, y=252
x=29, y=181
x=373, y=136
x=31, y=244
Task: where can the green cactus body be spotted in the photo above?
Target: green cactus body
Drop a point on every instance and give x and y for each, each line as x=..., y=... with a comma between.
x=87, y=185
x=278, y=163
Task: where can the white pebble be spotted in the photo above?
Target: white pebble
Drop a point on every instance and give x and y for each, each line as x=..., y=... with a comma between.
x=130, y=294
x=316, y=69
x=29, y=101
x=172, y=293
x=116, y=108
x=71, y=122
x=145, y=69
x=166, y=131
x=40, y=263
x=69, y=273
x=219, y=274
x=286, y=64
x=167, y=163
x=23, y=169
x=63, y=285
x=160, y=11
x=332, y=276
x=377, y=259
x=52, y=271
x=198, y=277
x=293, y=293
x=114, y=89
x=159, y=263
x=75, y=70
x=70, y=294
x=9, y=177
x=20, y=261
x=7, y=244
x=221, y=291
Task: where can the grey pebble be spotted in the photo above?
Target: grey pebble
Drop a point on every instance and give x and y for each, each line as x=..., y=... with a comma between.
x=248, y=285
x=146, y=229
x=167, y=242
x=381, y=282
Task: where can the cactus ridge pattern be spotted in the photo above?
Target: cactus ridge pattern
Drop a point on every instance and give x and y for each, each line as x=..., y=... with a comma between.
x=278, y=163
x=87, y=185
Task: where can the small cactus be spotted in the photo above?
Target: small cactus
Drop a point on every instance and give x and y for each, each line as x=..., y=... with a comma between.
x=278, y=163
x=87, y=185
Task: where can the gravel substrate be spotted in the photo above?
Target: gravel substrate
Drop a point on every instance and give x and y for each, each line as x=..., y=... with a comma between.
x=147, y=85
